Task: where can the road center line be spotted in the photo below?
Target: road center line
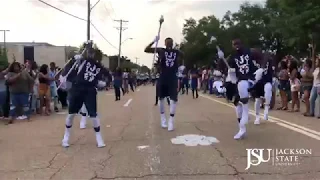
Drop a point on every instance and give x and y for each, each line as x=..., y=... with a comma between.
x=296, y=129
x=153, y=159
x=127, y=103
x=300, y=129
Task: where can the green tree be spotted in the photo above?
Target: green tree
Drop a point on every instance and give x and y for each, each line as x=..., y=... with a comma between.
x=98, y=52
x=284, y=27
x=144, y=69
x=197, y=35
x=298, y=22
x=3, y=58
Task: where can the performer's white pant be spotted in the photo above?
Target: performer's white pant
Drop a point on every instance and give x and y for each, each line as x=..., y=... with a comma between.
x=267, y=97
x=84, y=113
x=243, y=87
x=242, y=108
x=84, y=109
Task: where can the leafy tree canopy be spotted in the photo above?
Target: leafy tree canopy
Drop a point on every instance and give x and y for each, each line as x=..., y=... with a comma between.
x=283, y=27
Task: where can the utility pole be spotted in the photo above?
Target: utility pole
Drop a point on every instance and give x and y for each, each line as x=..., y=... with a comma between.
x=88, y=20
x=89, y=9
x=4, y=37
x=121, y=28
x=136, y=60
x=137, y=63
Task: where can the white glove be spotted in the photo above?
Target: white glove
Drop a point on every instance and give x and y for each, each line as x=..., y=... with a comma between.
x=220, y=54
x=217, y=73
x=77, y=57
x=259, y=74
x=63, y=82
x=231, y=70
x=182, y=67
x=156, y=39
x=101, y=84
x=62, y=79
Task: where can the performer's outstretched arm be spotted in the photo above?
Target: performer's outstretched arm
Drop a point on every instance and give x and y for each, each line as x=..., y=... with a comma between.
x=149, y=48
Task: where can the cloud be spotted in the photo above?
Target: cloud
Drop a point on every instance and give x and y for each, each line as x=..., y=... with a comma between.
x=34, y=21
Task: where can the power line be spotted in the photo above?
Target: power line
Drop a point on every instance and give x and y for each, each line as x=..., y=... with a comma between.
x=95, y=4
x=62, y=11
x=103, y=36
x=82, y=20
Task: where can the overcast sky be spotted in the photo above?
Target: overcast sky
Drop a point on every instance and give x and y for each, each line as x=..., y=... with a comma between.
x=31, y=20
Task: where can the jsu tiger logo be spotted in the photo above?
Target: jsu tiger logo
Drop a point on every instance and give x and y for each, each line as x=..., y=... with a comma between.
x=243, y=64
x=170, y=58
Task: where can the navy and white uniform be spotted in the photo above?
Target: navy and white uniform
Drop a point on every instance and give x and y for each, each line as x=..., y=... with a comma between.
x=267, y=77
x=244, y=67
x=168, y=80
x=243, y=64
x=84, y=79
x=257, y=90
x=263, y=88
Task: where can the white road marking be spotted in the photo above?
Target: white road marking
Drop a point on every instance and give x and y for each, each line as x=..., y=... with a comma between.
x=153, y=159
x=142, y=147
x=296, y=129
x=194, y=140
x=300, y=129
x=127, y=103
x=138, y=90
x=296, y=125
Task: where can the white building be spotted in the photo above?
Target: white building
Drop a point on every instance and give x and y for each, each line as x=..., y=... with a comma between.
x=42, y=53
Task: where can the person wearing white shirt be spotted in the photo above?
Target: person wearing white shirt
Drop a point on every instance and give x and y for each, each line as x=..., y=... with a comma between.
x=180, y=76
x=205, y=80
x=218, y=84
x=125, y=82
x=53, y=86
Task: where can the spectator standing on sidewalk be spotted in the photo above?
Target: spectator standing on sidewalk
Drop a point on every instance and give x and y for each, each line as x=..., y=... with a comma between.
x=53, y=86
x=32, y=69
x=44, y=89
x=20, y=85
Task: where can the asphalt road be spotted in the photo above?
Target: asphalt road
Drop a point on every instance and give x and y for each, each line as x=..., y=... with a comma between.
x=138, y=148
